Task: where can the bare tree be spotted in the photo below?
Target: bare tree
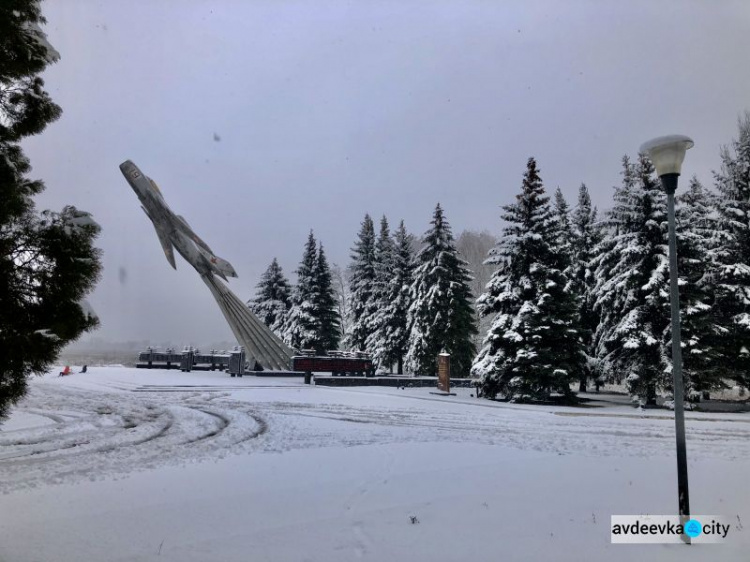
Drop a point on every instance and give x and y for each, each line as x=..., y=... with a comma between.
x=474, y=247
x=341, y=288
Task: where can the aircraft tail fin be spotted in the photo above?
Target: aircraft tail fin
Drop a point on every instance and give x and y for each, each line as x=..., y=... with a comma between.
x=219, y=266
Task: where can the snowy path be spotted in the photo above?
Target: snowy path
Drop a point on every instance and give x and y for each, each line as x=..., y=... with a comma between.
x=112, y=466
x=143, y=426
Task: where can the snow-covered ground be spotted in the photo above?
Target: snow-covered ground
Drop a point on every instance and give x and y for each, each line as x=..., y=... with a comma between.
x=123, y=464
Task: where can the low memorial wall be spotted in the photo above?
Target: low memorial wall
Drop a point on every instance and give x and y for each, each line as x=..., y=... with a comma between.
x=408, y=382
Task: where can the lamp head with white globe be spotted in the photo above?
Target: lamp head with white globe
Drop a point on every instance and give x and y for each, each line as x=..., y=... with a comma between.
x=667, y=154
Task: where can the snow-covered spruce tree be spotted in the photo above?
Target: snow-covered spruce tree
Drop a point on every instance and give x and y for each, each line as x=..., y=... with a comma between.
x=586, y=237
x=534, y=346
x=398, y=301
x=440, y=316
x=273, y=298
x=299, y=330
x=564, y=226
x=376, y=341
x=327, y=322
x=361, y=279
x=703, y=363
x=632, y=288
x=47, y=260
x=731, y=256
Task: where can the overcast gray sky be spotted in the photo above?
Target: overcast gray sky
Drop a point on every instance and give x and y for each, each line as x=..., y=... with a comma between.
x=328, y=110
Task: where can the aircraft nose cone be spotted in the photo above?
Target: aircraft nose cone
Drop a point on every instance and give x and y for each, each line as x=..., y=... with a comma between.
x=129, y=170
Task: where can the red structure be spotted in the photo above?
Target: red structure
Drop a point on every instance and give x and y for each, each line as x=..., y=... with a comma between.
x=338, y=365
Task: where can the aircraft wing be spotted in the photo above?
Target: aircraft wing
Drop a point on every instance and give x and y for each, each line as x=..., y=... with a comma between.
x=166, y=243
x=189, y=231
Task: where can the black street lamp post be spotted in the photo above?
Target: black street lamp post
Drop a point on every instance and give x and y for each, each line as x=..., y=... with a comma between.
x=667, y=154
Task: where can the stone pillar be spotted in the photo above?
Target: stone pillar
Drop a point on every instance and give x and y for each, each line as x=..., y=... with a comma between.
x=444, y=372
x=188, y=357
x=237, y=362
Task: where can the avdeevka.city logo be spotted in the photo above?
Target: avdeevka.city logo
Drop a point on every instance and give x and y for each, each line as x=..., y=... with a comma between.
x=693, y=528
x=666, y=529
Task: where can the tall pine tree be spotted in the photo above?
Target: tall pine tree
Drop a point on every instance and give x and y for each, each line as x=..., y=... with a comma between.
x=395, y=311
x=703, y=362
x=731, y=256
x=632, y=289
x=300, y=328
x=48, y=263
x=586, y=237
x=377, y=339
x=361, y=280
x=440, y=317
x=327, y=322
x=534, y=346
x=564, y=227
x=273, y=298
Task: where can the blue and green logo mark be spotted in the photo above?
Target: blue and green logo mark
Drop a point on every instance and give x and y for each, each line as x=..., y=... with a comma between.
x=693, y=528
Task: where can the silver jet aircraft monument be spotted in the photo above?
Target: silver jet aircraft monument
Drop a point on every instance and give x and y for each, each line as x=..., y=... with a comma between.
x=173, y=231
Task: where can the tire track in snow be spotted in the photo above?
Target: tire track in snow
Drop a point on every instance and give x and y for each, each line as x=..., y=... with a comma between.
x=223, y=423
x=262, y=428
x=62, y=446
x=118, y=433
